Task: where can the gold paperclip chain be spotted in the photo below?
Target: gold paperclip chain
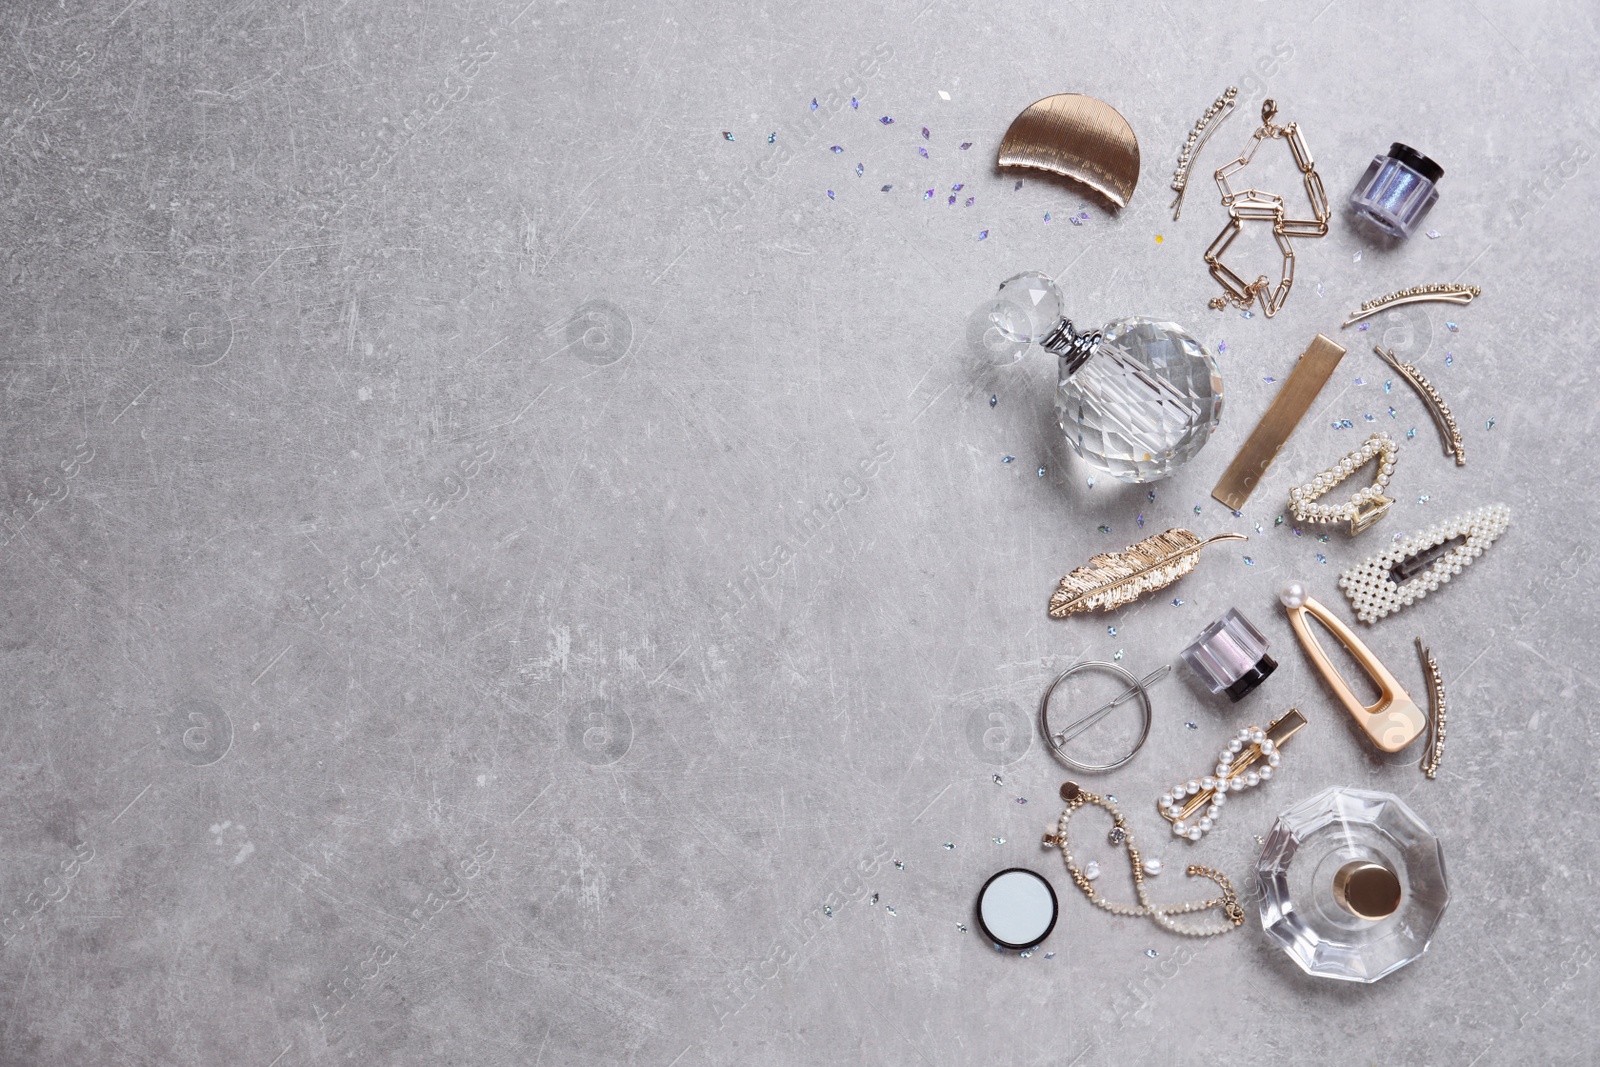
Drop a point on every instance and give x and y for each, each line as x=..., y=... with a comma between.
x=1254, y=205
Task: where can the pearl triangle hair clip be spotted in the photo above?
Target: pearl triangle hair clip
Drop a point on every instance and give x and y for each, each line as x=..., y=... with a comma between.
x=1363, y=509
x=1392, y=721
x=1419, y=564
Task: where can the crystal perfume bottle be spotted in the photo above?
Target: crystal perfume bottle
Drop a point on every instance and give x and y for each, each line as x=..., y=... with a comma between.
x=1352, y=884
x=1136, y=399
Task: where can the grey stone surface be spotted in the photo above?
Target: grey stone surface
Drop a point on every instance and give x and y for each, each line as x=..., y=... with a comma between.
x=397, y=394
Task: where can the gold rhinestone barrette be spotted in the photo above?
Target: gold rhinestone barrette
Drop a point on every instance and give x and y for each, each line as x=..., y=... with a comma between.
x=1417, y=294
x=1363, y=509
x=1207, y=124
x=1437, y=708
x=1449, y=432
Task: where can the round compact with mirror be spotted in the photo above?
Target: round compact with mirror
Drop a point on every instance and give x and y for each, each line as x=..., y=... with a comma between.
x=1017, y=908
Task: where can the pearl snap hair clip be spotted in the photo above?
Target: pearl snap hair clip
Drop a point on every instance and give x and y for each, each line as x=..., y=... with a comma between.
x=1363, y=509
x=1413, y=568
x=1392, y=721
x=1250, y=759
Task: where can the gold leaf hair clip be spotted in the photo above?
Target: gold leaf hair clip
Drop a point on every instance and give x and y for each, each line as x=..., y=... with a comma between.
x=1113, y=579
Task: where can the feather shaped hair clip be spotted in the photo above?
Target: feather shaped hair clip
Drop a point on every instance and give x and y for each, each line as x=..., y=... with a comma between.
x=1112, y=579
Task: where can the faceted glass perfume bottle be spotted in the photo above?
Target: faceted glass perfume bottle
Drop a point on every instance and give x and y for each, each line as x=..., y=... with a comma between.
x=1352, y=884
x=1137, y=399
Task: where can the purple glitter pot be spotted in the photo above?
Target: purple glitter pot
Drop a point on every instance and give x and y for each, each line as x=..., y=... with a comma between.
x=1230, y=656
x=1398, y=190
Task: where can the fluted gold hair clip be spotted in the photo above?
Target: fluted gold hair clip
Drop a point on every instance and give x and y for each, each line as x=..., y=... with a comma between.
x=1417, y=294
x=1449, y=432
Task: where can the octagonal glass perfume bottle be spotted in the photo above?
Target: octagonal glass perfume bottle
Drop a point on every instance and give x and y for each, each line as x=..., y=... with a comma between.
x=1136, y=399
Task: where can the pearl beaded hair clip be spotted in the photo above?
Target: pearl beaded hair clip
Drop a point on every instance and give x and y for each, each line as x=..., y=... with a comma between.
x=1363, y=509
x=1413, y=568
x=1249, y=760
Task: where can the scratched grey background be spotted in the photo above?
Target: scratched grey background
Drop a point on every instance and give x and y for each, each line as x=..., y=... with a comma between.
x=491, y=562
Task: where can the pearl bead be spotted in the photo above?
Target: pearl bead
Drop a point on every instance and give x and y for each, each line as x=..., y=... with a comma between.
x=1192, y=787
x=1266, y=773
x=1220, y=799
x=1223, y=785
x=1208, y=782
x=1207, y=823
x=1180, y=828
x=1196, y=834
x=1267, y=746
x=1274, y=759
x=1292, y=595
x=1166, y=800
x=1235, y=745
x=1252, y=779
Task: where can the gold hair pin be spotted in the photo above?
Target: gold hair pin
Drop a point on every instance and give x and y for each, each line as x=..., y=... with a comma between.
x=1077, y=137
x=1392, y=721
x=1414, y=567
x=1449, y=433
x=1112, y=579
x=1363, y=509
x=1417, y=294
x=1249, y=759
x=1208, y=123
x=1437, y=707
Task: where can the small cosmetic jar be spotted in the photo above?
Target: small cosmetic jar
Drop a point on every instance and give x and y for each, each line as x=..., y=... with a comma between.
x=1398, y=190
x=1230, y=656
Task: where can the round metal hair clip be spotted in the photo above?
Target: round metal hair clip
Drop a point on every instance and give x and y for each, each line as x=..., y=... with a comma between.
x=1135, y=687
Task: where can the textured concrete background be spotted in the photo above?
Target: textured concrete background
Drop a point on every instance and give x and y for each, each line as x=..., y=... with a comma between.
x=397, y=393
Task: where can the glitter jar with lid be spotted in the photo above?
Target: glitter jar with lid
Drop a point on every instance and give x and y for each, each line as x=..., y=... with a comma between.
x=1230, y=656
x=1398, y=190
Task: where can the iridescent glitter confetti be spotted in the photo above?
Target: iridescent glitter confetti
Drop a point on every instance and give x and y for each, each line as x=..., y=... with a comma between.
x=1490, y=424
x=1041, y=471
x=952, y=201
x=925, y=134
x=890, y=909
x=1112, y=630
x=928, y=195
x=1150, y=496
x=1452, y=327
x=1049, y=955
x=1411, y=433
x=983, y=235
x=1346, y=424
x=1259, y=529
x=958, y=186
x=1320, y=291
x=1392, y=414
x=1423, y=499
x=1117, y=655
x=1152, y=953
x=970, y=201
x=1177, y=602
x=1247, y=314
x=1322, y=539
x=886, y=188
x=949, y=846
x=1249, y=561
x=1191, y=726
x=1357, y=257
x=873, y=900
x=943, y=95
x=1104, y=528
x=830, y=194
x=1025, y=954
x=836, y=149
x=1297, y=531
x=1197, y=509
x=887, y=121
x=1277, y=522
x=1449, y=359
x=726, y=136
x=860, y=169
x=854, y=104
x=827, y=909
x=999, y=840
x=1370, y=417
x=965, y=145
x=1433, y=235
x=899, y=865
x=993, y=400
x=1222, y=346
x=923, y=152
x=1388, y=385
x=1321, y=558
x=772, y=138
x=1047, y=216
x=1091, y=481
x=1269, y=379
x=813, y=103
x=1017, y=186
x=1364, y=327
x=999, y=780
x=1140, y=520
x=961, y=928
x=1361, y=381
x=1008, y=459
